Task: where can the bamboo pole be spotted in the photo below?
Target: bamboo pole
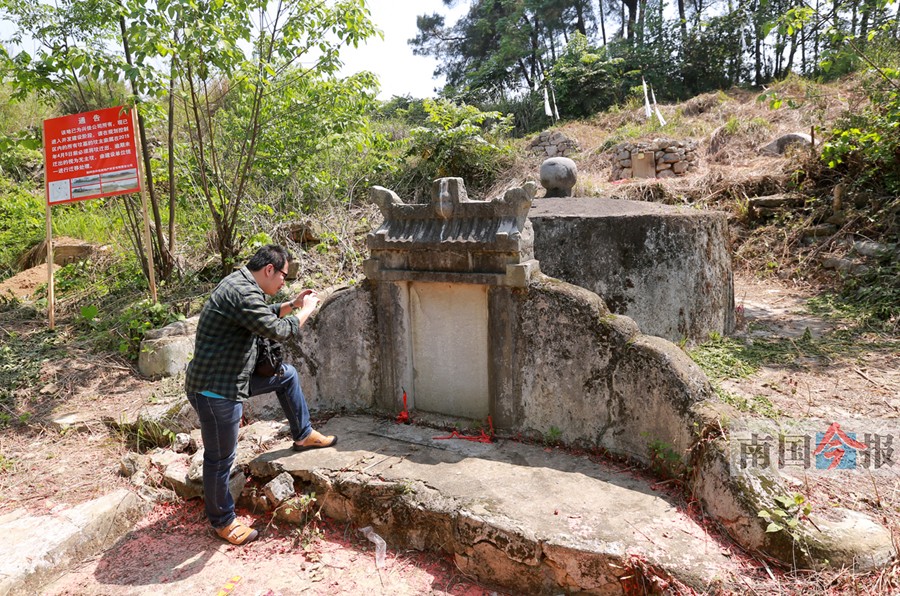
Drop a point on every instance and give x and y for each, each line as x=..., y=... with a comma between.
x=148, y=241
x=51, y=310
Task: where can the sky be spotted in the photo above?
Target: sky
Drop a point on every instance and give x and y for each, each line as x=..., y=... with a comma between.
x=399, y=71
x=392, y=59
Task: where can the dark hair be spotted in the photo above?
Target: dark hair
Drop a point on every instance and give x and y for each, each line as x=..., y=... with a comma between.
x=270, y=254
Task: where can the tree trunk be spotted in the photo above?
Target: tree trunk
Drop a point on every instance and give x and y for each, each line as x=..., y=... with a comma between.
x=579, y=18
x=629, y=25
x=602, y=22
x=756, y=9
x=864, y=19
x=642, y=17
x=170, y=142
x=164, y=261
x=790, y=61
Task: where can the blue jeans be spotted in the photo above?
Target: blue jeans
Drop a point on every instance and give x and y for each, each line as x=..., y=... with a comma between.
x=220, y=420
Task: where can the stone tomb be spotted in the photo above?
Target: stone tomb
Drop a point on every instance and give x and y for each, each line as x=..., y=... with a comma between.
x=441, y=260
x=456, y=313
x=659, y=158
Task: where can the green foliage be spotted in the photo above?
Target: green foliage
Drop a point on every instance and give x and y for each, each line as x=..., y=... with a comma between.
x=99, y=221
x=461, y=141
x=723, y=358
x=552, y=436
x=88, y=315
x=140, y=318
x=585, y=80
x=20, y=367
x=664, y=460
x=300, y=510
x=863, y=147
x=787, y=514
x=870, y=300
x=21, y=223
x=338, y=156
x=74, y=277
x=7, y=464
x=19, y=157
x=759, y=405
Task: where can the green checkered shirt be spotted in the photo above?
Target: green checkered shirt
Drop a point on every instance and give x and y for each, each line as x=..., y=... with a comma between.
x=225, y=348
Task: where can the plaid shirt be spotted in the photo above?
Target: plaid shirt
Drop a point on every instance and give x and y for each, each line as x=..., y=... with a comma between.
x=225, y=348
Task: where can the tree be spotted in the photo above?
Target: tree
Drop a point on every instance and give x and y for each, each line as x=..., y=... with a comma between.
x=220, y=54
x=501, y=46
x=216, y=76
x=77, y=67
x=585, y=79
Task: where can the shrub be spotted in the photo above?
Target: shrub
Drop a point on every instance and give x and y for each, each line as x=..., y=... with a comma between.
x=21, y=223
x=865, y=146
x=460, y=141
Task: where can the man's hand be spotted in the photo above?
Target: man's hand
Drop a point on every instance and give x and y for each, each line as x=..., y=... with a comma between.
x=306, y=300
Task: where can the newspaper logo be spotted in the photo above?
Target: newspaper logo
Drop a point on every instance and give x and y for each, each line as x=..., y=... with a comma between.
x=813, y=446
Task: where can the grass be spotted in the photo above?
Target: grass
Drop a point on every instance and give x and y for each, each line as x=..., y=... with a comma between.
x=758, y=404
x=871, y=301
x=734, y=358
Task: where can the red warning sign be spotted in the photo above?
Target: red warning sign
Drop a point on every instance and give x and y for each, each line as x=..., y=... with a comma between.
x=90, y=155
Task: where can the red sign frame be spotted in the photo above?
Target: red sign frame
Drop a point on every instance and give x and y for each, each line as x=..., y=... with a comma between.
x=90, y=155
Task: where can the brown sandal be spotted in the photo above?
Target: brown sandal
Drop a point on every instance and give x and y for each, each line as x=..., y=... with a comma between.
x=237, y=533
x=315, y=440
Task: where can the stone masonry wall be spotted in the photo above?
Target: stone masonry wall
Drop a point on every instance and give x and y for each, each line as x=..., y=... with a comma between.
x=659, y=158
x=553, y=143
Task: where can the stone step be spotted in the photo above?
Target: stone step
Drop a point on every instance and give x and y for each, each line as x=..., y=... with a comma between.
x=39, y=548
x=522, y=517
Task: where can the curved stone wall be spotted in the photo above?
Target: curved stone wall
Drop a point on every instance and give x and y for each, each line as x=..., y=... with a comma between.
x=558, y=359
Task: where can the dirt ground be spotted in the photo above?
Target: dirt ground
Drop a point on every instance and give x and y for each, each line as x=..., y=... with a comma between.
x=172, y=550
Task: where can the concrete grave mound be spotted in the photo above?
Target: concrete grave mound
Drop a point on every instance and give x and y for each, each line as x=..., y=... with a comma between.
x=668, y=268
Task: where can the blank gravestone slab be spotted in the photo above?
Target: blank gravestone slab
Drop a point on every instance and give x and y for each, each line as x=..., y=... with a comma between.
x=450, y=345
x=643, y=164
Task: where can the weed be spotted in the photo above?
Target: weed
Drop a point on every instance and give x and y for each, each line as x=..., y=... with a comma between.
x=300, y=511
x=790, y=510
x=7, y=464
x=664, y=460
x=88, y=316
x=758, y=404
x=722, y=358
x=145, y=435
x=552, y=436
x=140, y=318
x=20, y=367
x=870, y=301
x=730, y=358
x=404, y=488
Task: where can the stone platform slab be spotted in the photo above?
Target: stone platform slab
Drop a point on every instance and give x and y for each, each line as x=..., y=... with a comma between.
x=37, y=549
x=522, y=517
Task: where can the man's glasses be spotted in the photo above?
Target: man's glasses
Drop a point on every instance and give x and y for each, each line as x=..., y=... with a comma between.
x=284, y=274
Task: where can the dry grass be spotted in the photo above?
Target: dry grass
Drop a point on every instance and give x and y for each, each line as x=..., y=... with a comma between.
x=729, y=127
